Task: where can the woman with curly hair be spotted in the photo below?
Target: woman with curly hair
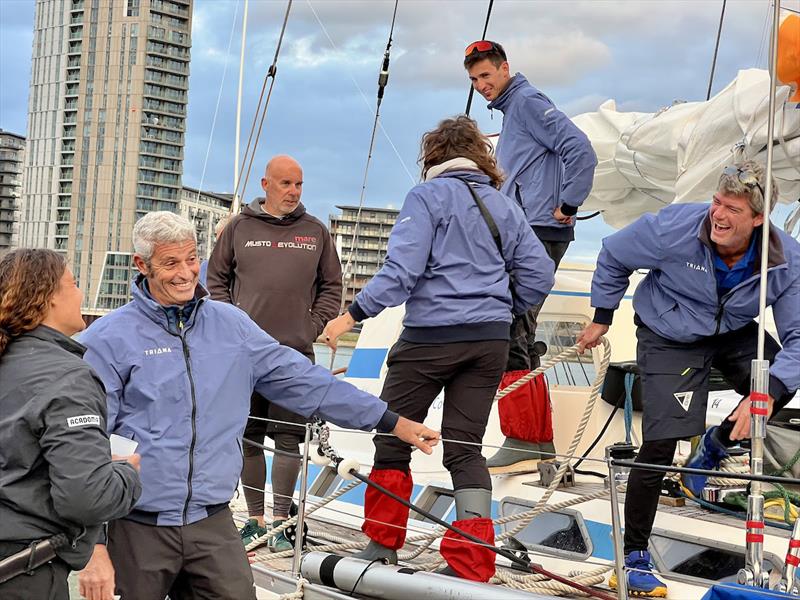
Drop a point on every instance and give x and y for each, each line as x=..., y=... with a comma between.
x=464, y=260
x=58, y=483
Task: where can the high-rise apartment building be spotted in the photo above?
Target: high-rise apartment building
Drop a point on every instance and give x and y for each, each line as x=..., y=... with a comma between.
x=106, y=122
x=12, y=151
x=362, y=242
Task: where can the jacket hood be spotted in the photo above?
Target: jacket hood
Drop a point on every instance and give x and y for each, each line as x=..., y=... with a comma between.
x=254, y=209
x=501, y=102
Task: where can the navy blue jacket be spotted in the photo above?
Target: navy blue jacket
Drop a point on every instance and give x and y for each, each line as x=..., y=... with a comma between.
x=678, y=298
x=547, y=160
x=443, y=263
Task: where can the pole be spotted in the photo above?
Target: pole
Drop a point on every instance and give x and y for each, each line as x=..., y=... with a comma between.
x=301, y=505
x=762, y=296
x=613, y=452
x=235, y=207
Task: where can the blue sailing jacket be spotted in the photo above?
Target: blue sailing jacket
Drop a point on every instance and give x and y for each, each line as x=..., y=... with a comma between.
x=183, y=393
x=678, y=298
x=547, y=160
x=443, y=262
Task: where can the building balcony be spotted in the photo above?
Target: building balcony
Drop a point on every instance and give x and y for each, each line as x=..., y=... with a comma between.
x=164, y=107
x=176, y=81
x=13, y=143
x=174, y=66
x=155, y=91
x=75, y=47
x=75, y=32
x=62, y=230
x=67, y=160
x=68, y=146
x=167, y=50
x=77, y=5
x=10, y=156
x=169, y=8
x=73, y=62
x=71, y=105
x=62, y=216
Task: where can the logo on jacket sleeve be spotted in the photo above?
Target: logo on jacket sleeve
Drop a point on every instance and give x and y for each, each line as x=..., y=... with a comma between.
x=83, y=421
x=684, y=399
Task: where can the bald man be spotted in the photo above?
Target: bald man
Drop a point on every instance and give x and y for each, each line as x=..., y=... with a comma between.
x=278, y=264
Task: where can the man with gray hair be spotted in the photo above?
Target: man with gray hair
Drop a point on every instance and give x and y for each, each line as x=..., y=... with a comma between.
x=694, y=310
x=179, y=370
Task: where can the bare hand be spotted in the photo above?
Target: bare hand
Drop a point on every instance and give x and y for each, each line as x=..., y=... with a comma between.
x=133, y=459
x=417, y=434
x=590, y=336
x=562, y=218
x=335, y=328
x=741, y=430
x=96, y=581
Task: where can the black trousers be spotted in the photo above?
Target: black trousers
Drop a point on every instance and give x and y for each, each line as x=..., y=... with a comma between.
x=469, y=373
x=205, y=559
x=48, y=582
x=675, y=394
x=521, y=355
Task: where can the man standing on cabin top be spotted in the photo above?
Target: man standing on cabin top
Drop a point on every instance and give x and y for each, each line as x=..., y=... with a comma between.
x=549, y=166
x=278, y=264
x=694, y=310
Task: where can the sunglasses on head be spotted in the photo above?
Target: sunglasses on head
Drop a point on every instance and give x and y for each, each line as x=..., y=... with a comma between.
x=483, y=46
x=745, y=177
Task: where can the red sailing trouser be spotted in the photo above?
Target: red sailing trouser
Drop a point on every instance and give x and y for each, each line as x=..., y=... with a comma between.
x=525, y=413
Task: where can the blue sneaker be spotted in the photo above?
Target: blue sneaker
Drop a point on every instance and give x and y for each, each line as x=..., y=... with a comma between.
x=708, y=454
x=641, y=581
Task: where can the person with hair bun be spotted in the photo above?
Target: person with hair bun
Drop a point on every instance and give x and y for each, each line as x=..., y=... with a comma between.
x=58, y=482
x=464, y=260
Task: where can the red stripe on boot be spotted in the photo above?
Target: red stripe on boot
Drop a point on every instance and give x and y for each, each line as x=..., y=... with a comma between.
x=385, y=520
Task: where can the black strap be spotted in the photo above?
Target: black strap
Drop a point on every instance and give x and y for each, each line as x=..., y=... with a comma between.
x=487, y=216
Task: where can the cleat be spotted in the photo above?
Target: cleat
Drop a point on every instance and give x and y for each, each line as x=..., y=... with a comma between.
x=517, y=456
x=251, y=532
x=641, y=581
x=707, y=455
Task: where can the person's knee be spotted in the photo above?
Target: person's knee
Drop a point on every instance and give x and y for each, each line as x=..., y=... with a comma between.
x=288, y=442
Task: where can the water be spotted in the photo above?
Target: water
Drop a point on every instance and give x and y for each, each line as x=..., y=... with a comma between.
x=323, y=356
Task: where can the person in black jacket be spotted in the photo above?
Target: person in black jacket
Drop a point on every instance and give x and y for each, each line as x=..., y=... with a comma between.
x=57, y=475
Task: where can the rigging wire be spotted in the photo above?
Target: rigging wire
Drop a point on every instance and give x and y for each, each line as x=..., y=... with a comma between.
x=483, y=36
x=219, y=97
x=271, y=73
x=383, y=80
x=716, y=50
x=363, y=96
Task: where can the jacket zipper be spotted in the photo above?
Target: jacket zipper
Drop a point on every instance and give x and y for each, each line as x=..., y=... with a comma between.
x=186, y=358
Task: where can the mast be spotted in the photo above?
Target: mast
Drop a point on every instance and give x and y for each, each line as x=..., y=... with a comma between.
x=235, y=206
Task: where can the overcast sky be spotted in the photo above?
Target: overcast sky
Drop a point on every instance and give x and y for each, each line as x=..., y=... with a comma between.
x=644, y=54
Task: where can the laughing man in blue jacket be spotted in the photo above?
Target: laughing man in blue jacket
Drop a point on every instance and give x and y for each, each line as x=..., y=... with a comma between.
x=695, y=310
x=179, y=370
x=549, y=166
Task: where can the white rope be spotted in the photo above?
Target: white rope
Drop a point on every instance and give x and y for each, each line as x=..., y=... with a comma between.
x=298, y=593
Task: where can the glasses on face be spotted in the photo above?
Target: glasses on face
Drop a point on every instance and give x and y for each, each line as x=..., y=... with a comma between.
x=483, y=46
x=745, y=177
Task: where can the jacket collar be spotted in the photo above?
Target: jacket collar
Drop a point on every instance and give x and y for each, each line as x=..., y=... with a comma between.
x=504, y=99
x=48, y=334
x=165, y=316
x=775, y=255
x=468, y=174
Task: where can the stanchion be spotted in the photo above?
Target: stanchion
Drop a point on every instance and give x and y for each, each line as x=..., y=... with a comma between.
x=618, y=452
x=753, y=572
x=788, y=584
x=301, y=505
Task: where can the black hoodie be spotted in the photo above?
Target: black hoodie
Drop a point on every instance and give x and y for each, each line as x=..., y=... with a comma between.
x=284, y=273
